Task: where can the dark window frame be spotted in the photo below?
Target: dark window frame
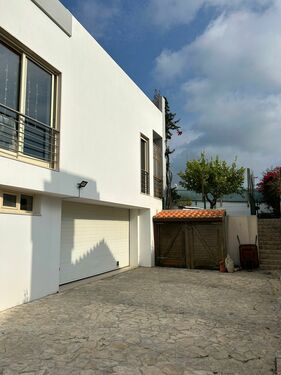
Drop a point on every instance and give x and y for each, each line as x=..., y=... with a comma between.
x=144, y=165
x=157, y=165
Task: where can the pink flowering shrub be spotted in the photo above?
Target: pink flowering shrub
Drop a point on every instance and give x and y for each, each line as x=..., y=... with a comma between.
x=270, y=187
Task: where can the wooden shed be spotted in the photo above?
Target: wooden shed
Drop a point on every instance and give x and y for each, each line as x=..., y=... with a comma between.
x=189, y=238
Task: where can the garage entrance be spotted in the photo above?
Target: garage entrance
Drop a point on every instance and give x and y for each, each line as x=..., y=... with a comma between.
x=94, y=240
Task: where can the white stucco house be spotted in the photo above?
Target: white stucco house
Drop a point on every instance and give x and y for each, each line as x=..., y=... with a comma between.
x=69, y=117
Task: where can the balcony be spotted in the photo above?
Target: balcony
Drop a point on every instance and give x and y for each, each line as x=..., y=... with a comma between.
x=144, y=181
x=158, y=187
x=27, y=139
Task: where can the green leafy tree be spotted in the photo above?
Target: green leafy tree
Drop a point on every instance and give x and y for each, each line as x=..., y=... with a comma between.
x=213, y=178
x=171, y=126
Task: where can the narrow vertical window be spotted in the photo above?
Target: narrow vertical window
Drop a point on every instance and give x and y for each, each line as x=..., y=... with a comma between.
x=9, y=97
x=144, y=165
x=37, y=137
x=157, y=165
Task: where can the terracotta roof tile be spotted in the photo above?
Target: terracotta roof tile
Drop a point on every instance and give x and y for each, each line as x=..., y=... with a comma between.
x=189, y=214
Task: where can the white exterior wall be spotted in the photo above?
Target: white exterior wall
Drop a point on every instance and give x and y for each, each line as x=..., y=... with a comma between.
x=29, y=267
x=102, y=114
x=246, y=227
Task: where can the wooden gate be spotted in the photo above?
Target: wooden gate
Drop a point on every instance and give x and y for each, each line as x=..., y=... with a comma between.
x=189, y=244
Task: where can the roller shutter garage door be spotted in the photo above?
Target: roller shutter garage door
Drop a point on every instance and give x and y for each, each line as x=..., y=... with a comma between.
x=94, y=240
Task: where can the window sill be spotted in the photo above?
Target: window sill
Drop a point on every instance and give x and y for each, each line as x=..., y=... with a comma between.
x=160, y=199
x=26, y=160
x=146, y=194
x=18, y=213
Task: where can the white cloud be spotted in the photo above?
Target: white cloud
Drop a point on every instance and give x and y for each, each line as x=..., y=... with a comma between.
x=239, y=49
x=170, y=65
x=168, y=13
x=231, y=81
x=97, y=14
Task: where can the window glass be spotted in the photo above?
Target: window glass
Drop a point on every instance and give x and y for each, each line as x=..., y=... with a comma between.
x=9, y=77
x=144, y=167
x=9, y=96
x=38, y=93
x=9, y=200
x=157, y=155
x=38, y=138
x=26, y=202
x=143, y=154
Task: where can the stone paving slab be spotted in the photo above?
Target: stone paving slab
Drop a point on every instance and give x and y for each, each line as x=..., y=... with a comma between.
x=158, y=321
x=278, y=364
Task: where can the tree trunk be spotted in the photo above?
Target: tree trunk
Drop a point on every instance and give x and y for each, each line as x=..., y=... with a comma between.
x=169, y=177
x=212, y=202
x=168, y=195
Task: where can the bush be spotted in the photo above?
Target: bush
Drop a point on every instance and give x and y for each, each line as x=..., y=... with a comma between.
x=183, y=202
x=269, y=186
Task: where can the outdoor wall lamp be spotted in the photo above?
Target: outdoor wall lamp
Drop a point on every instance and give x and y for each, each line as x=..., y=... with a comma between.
x=82, y=184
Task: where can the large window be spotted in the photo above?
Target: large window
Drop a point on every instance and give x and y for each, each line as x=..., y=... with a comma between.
x=144, y=165
x=28, y=93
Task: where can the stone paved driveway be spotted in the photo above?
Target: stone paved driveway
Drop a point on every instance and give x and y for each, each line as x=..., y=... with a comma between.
x=150, y=322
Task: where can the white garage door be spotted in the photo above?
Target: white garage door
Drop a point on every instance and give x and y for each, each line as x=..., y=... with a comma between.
x=94, y=239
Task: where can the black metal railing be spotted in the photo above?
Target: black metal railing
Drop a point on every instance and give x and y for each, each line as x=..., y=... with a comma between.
x=23, y=135
x=158, y=187
x=144, y=181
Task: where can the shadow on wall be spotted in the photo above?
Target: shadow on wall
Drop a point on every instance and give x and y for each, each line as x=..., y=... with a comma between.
x=46, y=238
x=98, y=259
x=246, y=227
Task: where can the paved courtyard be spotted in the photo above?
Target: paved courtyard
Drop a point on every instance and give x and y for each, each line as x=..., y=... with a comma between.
x=150, y=322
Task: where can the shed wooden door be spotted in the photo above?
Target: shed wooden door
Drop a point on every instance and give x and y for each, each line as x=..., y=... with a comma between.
x=170, y=245
x=189, y=245
x=207, y=244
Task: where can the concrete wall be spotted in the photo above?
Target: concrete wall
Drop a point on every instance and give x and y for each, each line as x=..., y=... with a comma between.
x=134, y=235
x=246, y=227
x=29, y=253
x=146, y=253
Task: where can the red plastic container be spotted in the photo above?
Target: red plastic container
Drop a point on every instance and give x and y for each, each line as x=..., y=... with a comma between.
x=249, y=256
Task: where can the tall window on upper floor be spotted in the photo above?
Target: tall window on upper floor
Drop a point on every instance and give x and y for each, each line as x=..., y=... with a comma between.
x=28, y=108
x=157, y=165
x=144, y=165
x=9, y=97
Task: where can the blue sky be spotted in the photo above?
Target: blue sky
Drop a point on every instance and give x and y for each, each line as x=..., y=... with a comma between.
x=217, y=61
